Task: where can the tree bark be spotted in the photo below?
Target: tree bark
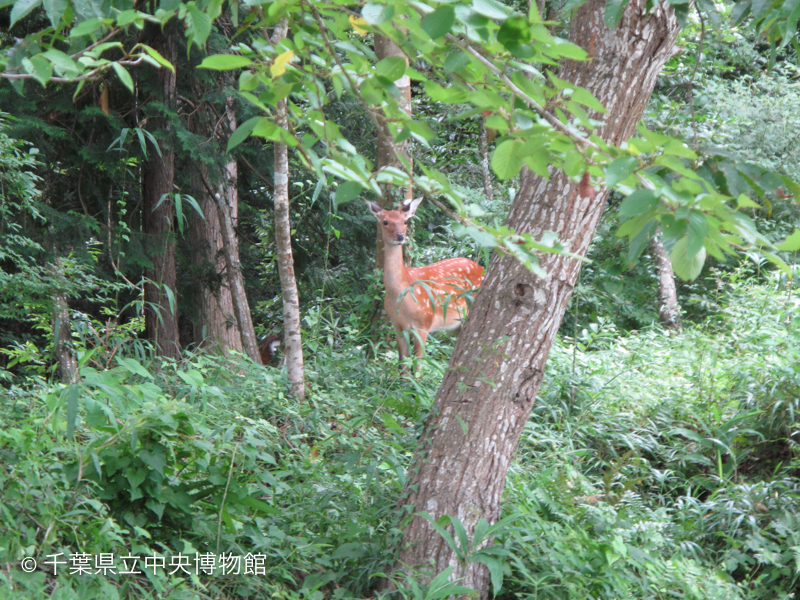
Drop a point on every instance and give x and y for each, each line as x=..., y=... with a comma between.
x=470, y=436
x=483, y=147
x=293, y=343
x=669, y=310
x=228, y=204
x=216, y=322
x=388, y=150
x=161, y=316
x=62, y=333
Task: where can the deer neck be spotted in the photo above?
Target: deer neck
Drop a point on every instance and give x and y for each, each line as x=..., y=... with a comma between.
x=395, y=274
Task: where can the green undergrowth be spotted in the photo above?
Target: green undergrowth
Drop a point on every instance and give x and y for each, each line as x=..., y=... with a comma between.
x=654, y=465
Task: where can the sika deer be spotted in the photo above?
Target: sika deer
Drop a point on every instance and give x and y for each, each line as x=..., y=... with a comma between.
x=443, y=282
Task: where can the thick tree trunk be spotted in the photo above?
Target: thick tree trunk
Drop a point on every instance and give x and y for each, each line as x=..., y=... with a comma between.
x=468, y=442
x=388, y=150
x=669, y=310
x=216, y=322
x=161, y=316
x=293, y=343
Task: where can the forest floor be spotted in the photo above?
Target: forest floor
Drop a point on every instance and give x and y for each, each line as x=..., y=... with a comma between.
x=655, y=465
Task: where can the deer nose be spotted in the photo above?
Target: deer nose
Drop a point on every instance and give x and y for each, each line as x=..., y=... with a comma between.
x=401, y=237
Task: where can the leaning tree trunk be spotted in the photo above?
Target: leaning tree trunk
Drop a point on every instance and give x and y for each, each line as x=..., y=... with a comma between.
x=161, y=316
x=497, y=365
x=669, y=310
x=388, y=150
x=293, y=342
x=228, y=204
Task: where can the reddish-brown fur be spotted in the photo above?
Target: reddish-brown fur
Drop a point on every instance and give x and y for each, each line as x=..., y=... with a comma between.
x=443, y=282
x=267, y=348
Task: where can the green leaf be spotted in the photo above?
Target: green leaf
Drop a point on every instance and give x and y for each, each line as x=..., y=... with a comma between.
x=505, y=160
x=393, y=67
x=242, y=132
x=569, y=50
x=620, y=170
x=638, y=203
x=134, y=366
x=439, y=22
x=375, y=14
x=225, y=62
x=791, y=243
x=87, y=27
x=72, y=407
x=191, y=377
x=639, y=242
x=455, y=61
x=678, y=148
x=491, y=9
x=685, y=267
x=200, y=27
x=126, y=17
x=495, y=566
x=585, y=97
x=514, y=32
x=22, y=9
x=63, y=63
x=613, y=12
x=123, y=75
x=158, y=58
x=55, y=10
x=347, y=191
x=697, y=232
x=259, y=504
x=744, y=201
x=39, y=67
x=154, y=460
x=350, y=550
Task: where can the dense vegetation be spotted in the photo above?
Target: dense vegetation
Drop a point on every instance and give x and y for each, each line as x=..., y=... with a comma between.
x=656, y=463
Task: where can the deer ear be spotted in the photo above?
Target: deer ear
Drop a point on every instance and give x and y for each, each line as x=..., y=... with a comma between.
x=410, y=207
x=376, y=210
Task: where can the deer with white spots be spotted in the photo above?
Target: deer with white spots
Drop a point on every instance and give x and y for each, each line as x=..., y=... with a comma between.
x=421, y=300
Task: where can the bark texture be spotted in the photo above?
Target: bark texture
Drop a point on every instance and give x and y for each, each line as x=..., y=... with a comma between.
x=468, y=442
x=293, y=343
x=669, y=310
x=388, y=150
x=228, y=207
x=483, y=146
x=62, y=333
x=161, y=319
x=216, y=322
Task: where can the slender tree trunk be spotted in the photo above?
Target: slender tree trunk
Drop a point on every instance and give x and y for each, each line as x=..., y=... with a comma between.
x=669, y=310
x=470, y=436
x=161, y=315
x=228, y=214
x=293, y=343
x=62, y=333
x=483, y=146
x=388, y=150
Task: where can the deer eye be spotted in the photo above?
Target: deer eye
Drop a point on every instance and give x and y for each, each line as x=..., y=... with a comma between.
x=386, y=222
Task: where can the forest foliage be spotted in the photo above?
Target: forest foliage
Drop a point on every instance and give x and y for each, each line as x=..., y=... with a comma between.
x=656, y=464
